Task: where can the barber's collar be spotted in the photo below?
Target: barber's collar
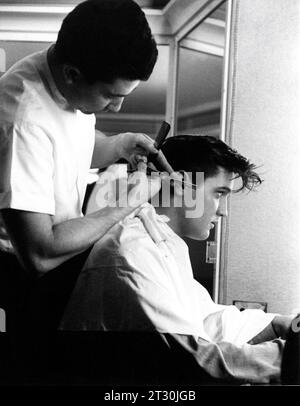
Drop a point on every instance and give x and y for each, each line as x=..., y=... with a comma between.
x=56, y=94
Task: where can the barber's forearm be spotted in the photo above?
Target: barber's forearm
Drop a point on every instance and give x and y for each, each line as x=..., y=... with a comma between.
x=75, y=236
x=63, y=241
x=106, y=150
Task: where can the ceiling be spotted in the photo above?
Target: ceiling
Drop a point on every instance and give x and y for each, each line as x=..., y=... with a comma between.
x=153, y=4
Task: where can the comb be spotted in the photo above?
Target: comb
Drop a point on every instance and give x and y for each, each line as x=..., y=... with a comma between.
x=162, y=134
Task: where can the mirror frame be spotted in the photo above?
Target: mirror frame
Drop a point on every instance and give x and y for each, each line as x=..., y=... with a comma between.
x=219, y=277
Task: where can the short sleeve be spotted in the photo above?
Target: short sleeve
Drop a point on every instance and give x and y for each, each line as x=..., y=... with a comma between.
x=26, y=168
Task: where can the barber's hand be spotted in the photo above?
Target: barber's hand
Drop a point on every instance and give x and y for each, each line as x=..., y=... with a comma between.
x=133, y=145
x=282, y=324
x=142, y=188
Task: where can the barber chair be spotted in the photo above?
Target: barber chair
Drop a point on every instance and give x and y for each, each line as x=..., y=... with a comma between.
x=121, y=358
x=33, y=309
x=13, y=283
x=290, y=370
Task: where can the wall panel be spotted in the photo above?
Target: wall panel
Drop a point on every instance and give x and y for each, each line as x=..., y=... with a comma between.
x=262, y=249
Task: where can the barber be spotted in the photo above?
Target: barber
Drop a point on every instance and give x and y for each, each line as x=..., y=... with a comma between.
x=48, y=141
x=47, y=136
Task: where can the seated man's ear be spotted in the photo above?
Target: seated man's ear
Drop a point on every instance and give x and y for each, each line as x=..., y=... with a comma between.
x=177, y=179
x=72, y=75
x=175, y=182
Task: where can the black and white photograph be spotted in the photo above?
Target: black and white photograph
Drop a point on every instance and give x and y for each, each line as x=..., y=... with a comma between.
x=149, y=196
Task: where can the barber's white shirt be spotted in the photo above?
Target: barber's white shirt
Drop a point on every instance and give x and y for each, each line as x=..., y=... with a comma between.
x=45, y=146
x=139, y=277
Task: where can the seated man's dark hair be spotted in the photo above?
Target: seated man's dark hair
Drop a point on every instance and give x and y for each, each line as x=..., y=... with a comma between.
x=207, y=154
x=107, y=40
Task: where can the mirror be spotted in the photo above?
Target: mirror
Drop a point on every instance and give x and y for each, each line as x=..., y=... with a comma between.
x=200, y=76
x=12, y=51
x=199, y=100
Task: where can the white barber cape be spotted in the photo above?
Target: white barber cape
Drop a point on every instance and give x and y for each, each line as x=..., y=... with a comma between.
x=139, y=277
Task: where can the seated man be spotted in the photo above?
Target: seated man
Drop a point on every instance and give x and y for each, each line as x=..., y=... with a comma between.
x=138, y=277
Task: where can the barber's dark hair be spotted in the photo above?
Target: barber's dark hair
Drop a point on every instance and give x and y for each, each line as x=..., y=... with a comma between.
x=107, y=40
x=207, y=154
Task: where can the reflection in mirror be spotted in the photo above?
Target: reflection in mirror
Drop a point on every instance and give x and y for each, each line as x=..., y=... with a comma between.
x=144, y=109
x=200, y=82
x=12, y=51
x=200, y=76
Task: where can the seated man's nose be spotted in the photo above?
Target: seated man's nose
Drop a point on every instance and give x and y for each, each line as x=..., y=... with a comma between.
x=222, y=210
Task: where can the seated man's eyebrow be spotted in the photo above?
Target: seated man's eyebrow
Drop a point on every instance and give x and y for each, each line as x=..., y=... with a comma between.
x=224, y=189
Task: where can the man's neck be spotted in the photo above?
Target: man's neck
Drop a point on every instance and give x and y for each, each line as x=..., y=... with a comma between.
x=173, y=214
x=56, y=70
